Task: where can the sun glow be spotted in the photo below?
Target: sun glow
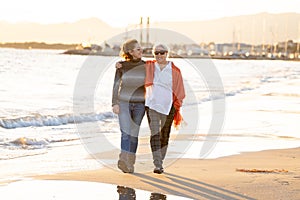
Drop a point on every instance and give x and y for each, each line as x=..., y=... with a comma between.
x=120, y=14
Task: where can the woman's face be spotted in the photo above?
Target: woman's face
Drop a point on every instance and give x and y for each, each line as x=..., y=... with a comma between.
x=160, y=55
x=136, y=52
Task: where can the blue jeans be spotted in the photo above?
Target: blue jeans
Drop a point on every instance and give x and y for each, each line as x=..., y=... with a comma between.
x=130, y=119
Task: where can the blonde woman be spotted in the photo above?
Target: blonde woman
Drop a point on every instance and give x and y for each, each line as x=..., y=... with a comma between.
x=128, y=101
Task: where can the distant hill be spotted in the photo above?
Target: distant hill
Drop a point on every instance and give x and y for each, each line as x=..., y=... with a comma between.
x=254, y=29
x=84, y=30
x=37, y=45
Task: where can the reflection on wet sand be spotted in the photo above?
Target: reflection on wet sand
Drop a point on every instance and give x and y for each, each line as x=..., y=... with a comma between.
x=157, y=196
x=127, y=193
x=69, y=189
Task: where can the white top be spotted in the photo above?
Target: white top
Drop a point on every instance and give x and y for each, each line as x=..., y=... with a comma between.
x=159, y=95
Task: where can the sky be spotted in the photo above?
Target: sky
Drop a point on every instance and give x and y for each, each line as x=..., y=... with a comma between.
x=123, y=13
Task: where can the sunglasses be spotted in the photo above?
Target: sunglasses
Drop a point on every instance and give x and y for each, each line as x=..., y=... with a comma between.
x=160, y=52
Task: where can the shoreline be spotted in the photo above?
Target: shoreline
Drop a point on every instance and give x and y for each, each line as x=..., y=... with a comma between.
x=210, y=178
x=87, y=52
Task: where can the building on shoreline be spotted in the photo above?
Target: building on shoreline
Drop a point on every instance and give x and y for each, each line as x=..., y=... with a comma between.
x=288, y=50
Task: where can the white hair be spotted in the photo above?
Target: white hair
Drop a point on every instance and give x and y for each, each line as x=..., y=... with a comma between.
x=163, y=46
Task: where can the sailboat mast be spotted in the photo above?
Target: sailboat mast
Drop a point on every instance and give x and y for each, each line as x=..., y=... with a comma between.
x=141, y=31
x=148, y=24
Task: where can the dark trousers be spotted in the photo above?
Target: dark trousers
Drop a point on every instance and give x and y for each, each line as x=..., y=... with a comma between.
x=160, y=126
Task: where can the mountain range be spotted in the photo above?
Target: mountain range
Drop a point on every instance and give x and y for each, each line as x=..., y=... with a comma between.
x=252, y=29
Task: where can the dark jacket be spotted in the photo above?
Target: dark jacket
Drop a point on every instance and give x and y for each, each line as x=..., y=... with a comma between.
x=129, y=83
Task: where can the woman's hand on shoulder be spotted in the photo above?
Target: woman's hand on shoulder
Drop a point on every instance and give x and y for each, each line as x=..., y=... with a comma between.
x=116, y=109
x=118, y=65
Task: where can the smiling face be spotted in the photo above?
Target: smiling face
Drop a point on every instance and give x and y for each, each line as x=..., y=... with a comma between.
x=160, y=54
x=136, y=52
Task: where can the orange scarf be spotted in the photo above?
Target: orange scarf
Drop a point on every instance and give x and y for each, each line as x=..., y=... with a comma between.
x=177, y=87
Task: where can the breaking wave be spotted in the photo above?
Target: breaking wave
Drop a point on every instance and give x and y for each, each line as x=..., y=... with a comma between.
x=42, y=120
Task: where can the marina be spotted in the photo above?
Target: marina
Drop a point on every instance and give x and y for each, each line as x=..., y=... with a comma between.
x=185, y=47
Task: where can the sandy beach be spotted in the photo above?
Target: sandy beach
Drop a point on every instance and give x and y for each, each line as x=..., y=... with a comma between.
x=270, y=174
x=44, y=155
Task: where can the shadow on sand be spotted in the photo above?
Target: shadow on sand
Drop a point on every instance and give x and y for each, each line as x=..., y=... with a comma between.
x=189, y=188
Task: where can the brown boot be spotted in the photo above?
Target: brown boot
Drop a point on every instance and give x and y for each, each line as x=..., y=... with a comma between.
x=123, y=162
x=131, y=161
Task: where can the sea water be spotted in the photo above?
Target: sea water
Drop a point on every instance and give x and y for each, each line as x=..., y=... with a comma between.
x=258, y=108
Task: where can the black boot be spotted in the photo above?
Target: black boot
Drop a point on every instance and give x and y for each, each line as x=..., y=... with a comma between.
x=157, y=161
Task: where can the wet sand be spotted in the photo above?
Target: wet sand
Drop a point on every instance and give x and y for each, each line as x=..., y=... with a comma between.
x=270, y=174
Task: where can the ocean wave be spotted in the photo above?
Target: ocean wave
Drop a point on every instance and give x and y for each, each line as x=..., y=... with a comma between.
x=41, y=120
x=28, y=143
x=25, y=142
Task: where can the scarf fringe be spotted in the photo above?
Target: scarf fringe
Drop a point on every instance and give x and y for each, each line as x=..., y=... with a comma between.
x=177, y=119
